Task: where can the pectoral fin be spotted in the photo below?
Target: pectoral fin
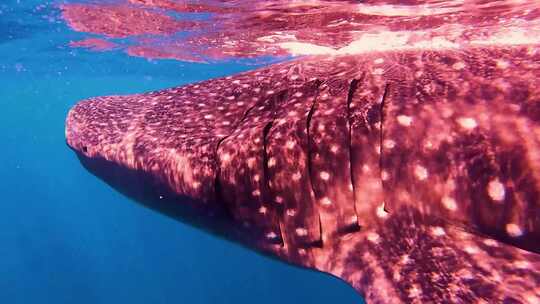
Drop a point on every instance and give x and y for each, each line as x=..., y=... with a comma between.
x=407, y=258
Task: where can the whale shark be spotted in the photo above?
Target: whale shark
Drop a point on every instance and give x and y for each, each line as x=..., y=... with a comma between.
x=411, y=173
x=411, y=176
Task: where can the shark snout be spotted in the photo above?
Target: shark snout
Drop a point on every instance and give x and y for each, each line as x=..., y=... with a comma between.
x=76, y=130
x=95, y=126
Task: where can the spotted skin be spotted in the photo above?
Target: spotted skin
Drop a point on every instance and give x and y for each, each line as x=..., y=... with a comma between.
x=410, y=175
x=468, y=154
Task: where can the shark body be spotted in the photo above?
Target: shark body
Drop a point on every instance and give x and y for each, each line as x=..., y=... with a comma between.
x=412, y=175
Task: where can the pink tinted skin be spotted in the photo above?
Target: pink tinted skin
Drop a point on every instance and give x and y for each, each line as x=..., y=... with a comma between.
x=288, y=160
x=401, y=155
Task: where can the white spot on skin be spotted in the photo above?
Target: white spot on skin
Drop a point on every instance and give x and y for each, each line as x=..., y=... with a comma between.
x=449, y=203
x=458, y=65
x=373, y=237
x=531, y=298
x=324, y=175
x=404, y=259
x=292, y=113
x=329, y=112
x=396, y=275
x=467, y=123
x=301, y=231
x=414, y=292
x=326, y=201
x=502, y=64
x=438, y=231
x=226, y=157
x=495, y=190
x=404, y=120
x=251, y=162
x=514, y=230
x=378, y=71
x=491, y=243
x=471, y=250
x=365, y=168
x=271, y=235
x=389, y=144
x=522, y=264
x=381, y=213
x=420, y=172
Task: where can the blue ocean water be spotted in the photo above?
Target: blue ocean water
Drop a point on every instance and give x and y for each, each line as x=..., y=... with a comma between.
x=67, y=237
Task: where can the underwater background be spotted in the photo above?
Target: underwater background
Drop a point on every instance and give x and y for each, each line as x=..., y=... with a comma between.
x=66, y=236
